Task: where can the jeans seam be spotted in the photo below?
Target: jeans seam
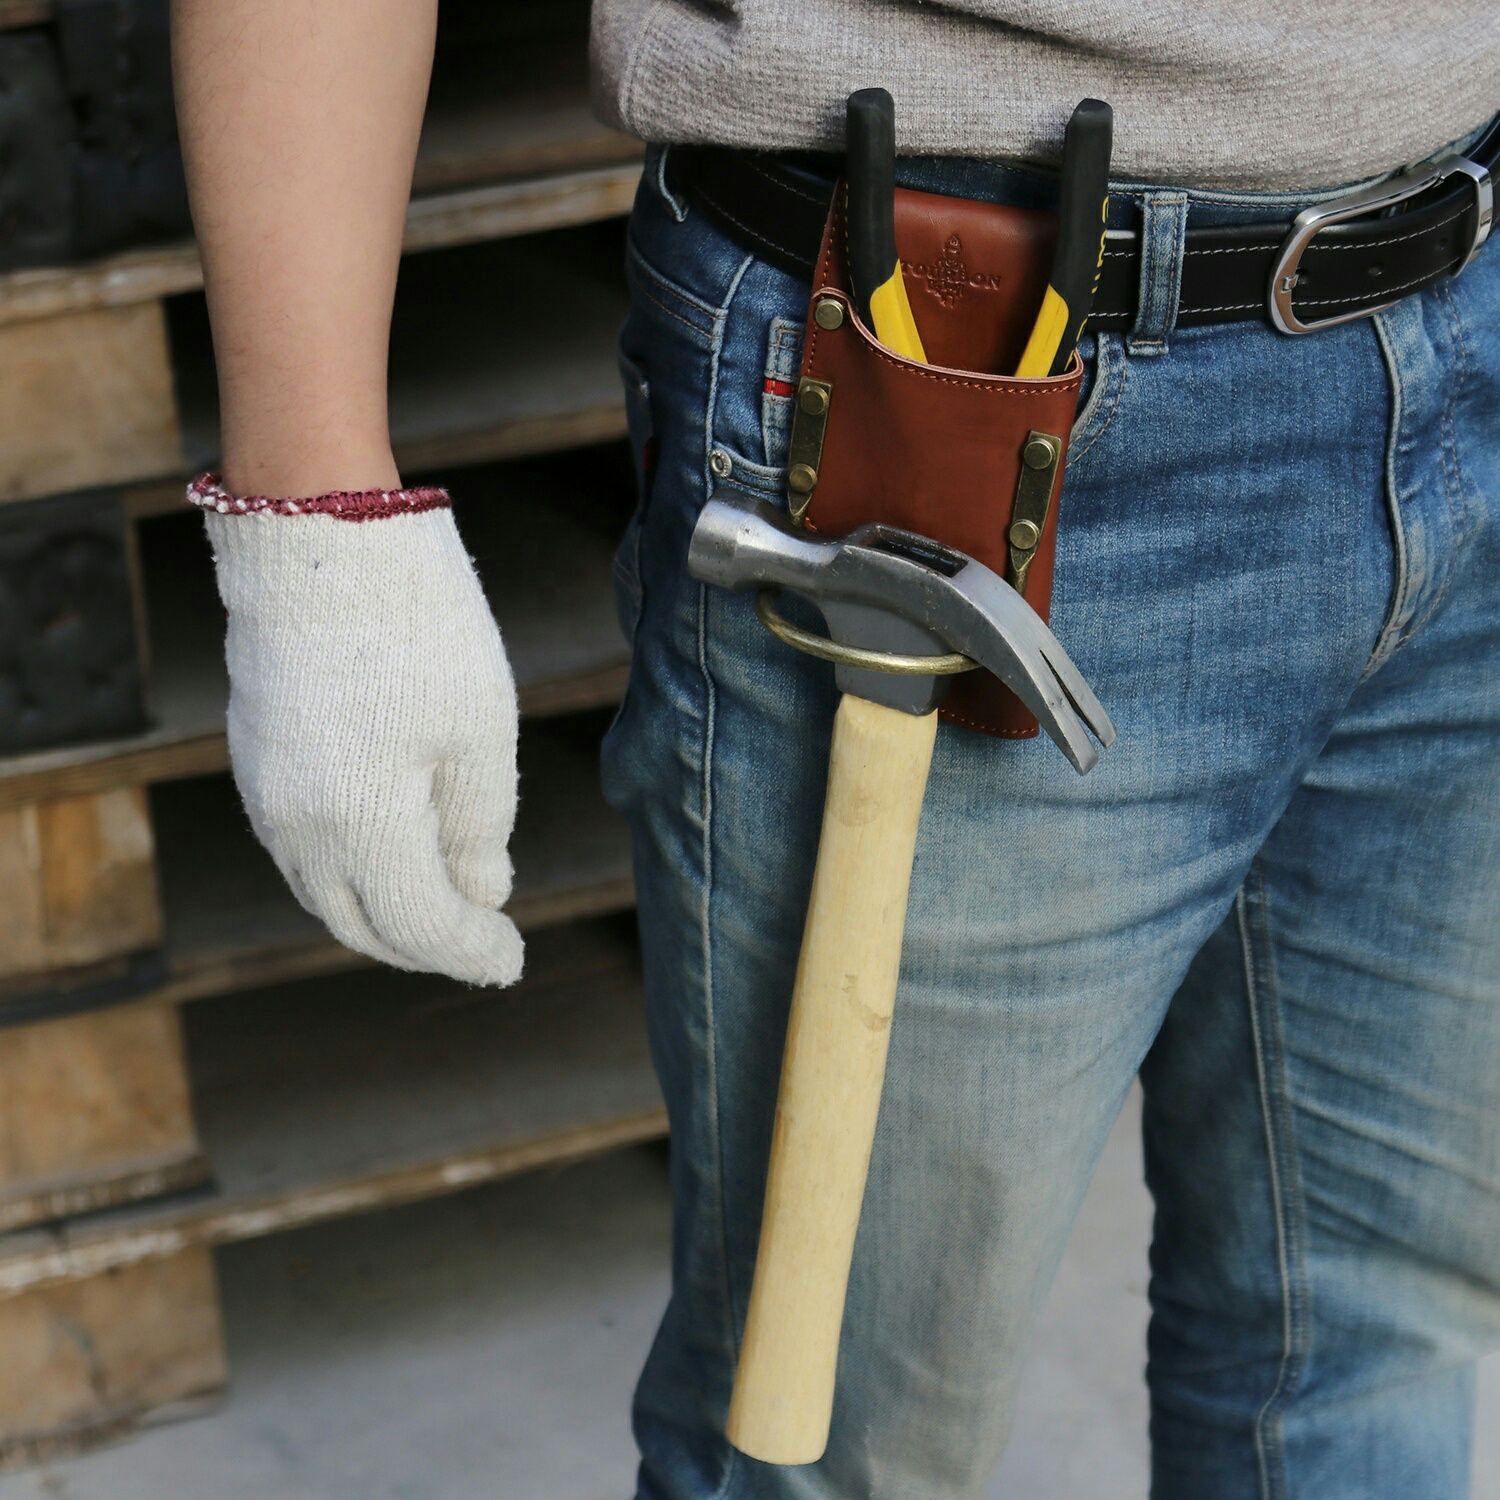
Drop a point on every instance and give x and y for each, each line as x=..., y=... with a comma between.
x=1286, y=1194
x=1452, y=472
x=706, y=929
x=1391, y=637
x=710, y=703
x=638, y=262
x=651, y=296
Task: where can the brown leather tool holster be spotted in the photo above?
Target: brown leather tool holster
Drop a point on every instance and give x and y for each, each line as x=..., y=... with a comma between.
x=940, y=448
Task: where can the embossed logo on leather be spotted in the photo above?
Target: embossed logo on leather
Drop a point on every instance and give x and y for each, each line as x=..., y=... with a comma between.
x=948, y=278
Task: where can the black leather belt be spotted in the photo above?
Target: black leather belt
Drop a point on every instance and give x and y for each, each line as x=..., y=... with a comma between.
x=1337, y=260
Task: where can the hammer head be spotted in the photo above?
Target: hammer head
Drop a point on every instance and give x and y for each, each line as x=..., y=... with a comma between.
x=882, y=589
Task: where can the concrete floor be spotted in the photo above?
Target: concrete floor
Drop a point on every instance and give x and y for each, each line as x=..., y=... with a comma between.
x=485, y=1345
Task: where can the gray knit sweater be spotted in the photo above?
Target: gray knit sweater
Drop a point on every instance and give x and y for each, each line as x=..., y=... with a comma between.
x=1207, y=93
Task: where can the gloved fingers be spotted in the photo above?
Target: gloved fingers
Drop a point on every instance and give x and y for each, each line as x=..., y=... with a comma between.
x=343, y=913
x=475, y=799
x=415, y=908
x=335, y=905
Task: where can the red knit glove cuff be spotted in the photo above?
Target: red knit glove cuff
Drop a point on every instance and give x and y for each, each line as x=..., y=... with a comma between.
x=208, y=493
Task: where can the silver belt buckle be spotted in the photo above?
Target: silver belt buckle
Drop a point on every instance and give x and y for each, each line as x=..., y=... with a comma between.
x=1370, y=200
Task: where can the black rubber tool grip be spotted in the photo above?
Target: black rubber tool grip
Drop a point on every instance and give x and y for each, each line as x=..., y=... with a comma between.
x=1082, y=195
x=871, y=175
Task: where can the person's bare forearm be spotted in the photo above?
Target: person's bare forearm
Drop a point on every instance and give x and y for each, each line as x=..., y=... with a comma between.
x=299, y=123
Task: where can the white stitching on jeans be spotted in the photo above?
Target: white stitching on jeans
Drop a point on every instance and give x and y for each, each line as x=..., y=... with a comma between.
x=1283, y=1258
x=1107, y=369
x=709, y=726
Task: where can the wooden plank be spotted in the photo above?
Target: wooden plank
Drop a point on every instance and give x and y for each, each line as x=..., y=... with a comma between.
x=89, y=1361
x=546, y=568
x=94, y=1111
x=454, y=217
x=88, y=399
x=491, y=345
x=491, y=213
x=158, y=755
x=457, y=217
x=76, y=883
x=231, y=924
x=489, y=119
x=541, y=379
x=382, y=1088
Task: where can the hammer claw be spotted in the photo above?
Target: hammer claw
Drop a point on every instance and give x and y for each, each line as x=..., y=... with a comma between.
x=1002, y=632
x=1050, y=690
x=1080, y=694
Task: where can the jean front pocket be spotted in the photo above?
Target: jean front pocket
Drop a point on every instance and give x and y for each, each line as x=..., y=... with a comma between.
x=1103, y=356
x=756, y=399
x=779, y=388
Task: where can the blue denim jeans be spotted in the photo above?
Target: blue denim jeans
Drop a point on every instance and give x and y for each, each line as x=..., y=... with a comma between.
x=1274, y=902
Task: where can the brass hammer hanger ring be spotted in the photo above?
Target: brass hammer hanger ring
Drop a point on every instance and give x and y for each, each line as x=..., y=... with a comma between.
x=854, y=656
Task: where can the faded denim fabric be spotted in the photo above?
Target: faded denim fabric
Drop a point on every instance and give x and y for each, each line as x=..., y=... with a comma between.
x=1275, y=901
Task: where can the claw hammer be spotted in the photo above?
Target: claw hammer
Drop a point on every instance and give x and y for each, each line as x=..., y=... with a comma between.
x=903, y=613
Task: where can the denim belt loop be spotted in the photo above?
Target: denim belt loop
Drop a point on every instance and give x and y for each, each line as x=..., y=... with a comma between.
x=1163, y=236
x=658, y=171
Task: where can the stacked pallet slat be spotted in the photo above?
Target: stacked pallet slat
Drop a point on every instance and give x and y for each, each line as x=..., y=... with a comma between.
x=135, y=1135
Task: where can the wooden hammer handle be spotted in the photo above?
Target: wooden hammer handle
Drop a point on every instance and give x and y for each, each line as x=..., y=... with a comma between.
x=831, y=1079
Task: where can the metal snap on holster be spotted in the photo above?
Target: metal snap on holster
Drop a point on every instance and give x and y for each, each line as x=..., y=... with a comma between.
x=948, y=449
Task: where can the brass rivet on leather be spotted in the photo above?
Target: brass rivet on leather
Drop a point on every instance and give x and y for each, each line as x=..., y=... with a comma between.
x=1025, y=535
x=801, y=479
x=829, y=313
x=1038, y=455
x=813, y=399
x=805, y=446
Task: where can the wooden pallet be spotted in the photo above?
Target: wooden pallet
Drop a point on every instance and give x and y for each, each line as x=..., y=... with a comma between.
x=85, y=866
x=314, y=1103
x=94, y=1104
x=94, y=1108
x=97, y=1111
x=126, y=866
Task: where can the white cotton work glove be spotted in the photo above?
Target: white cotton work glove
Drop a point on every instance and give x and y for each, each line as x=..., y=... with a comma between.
x=372, y=720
